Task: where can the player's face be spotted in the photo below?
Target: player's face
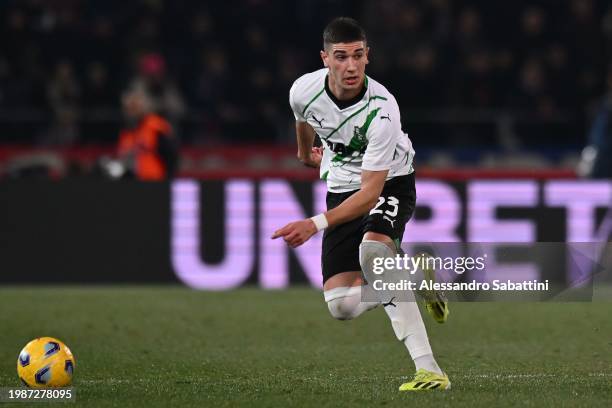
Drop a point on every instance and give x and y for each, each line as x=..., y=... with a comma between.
x=346, y=63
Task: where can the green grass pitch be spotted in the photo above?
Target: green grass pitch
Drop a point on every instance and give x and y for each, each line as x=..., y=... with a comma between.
x=170, y=346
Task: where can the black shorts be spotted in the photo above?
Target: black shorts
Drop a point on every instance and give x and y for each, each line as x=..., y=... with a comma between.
x=393, y=210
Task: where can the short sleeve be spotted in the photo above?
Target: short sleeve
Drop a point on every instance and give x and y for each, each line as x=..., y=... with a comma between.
x=295, y=106
x=381, y=142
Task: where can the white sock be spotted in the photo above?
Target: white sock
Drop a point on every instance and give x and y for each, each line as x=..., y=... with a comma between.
x=428, y=362
x=408, y=325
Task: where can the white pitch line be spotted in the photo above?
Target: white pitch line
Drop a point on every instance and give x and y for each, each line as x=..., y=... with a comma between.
x=111, y=381
x=508, y=376
x=497, y=376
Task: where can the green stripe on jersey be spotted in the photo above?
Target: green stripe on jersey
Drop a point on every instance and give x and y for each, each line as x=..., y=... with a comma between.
x=359, y=140
x=364, y=129
x=312, y=100
x=355, y=113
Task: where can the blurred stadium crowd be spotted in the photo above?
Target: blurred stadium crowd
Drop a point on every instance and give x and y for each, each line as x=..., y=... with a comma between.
x=464, y=72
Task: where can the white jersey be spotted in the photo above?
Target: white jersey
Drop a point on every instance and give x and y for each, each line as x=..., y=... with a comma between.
x=366, y=135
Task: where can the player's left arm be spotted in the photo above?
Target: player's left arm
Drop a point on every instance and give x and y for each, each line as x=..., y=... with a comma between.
x=360, y=203
x=372, y=183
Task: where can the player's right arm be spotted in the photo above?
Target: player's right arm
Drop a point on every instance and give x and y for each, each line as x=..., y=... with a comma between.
x=310, y=156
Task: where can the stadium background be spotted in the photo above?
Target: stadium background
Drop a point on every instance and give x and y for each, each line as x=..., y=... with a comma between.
x=499, y=99
x=480, y=84
x=487, y=91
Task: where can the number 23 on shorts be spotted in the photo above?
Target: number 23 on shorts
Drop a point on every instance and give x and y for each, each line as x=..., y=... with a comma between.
x=391, y=201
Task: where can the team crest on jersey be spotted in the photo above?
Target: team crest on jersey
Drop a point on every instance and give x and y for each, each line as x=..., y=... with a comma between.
x=355, y=147
x=357, y=144
x=359, y=140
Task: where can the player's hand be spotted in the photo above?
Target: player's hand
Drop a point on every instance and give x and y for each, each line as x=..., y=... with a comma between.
x=296, y=233
x=316, y=154
x=313, y=159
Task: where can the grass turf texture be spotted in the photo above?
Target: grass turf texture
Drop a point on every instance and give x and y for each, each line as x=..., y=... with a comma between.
x=170, y=346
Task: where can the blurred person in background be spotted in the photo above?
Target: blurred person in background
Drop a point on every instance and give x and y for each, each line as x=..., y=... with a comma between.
x=163, y=94
x=596, y=161
x=98, y=92
x=211, y=96
x=64, y=94
x=100, y=98
x=147, y=146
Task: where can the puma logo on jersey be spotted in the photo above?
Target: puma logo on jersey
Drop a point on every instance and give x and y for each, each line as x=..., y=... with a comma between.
x=390, y=220
x=388, y=117
x=320, y=122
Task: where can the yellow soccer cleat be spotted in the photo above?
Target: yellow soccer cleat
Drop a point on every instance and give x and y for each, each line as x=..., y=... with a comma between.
x=438, y=308
x=426, y=380
x=435, y=300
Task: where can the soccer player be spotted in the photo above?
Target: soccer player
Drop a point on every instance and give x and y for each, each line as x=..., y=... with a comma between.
x=366, y=160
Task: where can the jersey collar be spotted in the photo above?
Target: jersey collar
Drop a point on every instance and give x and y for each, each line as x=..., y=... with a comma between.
x=350, y=102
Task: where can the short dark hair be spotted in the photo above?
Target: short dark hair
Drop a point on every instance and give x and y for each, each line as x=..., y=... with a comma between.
x=343, y=30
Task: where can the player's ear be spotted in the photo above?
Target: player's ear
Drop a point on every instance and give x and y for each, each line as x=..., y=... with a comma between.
x=367, y=52
x=324, y=57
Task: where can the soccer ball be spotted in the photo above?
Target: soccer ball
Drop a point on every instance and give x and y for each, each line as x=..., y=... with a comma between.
x=45, y=362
